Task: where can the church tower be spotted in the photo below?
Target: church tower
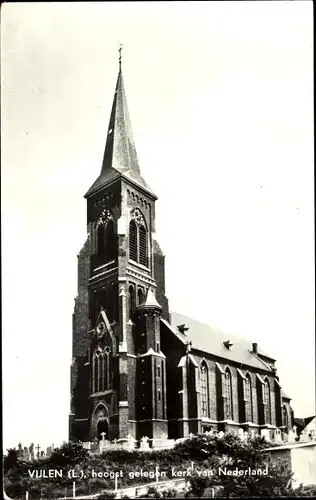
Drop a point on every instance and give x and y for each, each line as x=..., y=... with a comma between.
x=118, y=373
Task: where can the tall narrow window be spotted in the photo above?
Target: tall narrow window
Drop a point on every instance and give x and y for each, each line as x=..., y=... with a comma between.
x=138, y=243
x=131, y=301
x=95, y=373
x=109, y=241
x=285, y=417
x=248, y=399
x=133, y=240
x=140, y=296
x=100, y=363
x=228, y=396
x=204, y=391
x=267, y=402
x=102, y=384
x=106, y=374
x=101, y=240
x=101, y=370
x=142, y=246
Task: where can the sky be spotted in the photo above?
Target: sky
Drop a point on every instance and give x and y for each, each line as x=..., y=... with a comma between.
x=220, y=96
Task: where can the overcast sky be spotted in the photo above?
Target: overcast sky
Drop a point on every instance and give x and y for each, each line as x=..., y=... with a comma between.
x=221, y=98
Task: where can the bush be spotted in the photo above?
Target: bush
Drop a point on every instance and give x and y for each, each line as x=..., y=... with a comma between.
x=169, y=493
x=105, y=494
x=153, y=493
x=275, y=484
x=68, y=454
x=205, y=451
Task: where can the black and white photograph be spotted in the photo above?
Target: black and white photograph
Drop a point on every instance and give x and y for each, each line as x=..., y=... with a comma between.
x=158, y=274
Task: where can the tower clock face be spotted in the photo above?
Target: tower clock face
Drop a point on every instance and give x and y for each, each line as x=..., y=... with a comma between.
x=100, y=328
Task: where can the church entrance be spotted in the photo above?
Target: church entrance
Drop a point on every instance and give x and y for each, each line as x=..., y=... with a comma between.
x=102, y=427
x=100, y=423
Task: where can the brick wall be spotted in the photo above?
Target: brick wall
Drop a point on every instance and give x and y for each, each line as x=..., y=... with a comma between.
x=81, y=310
x=159, y=274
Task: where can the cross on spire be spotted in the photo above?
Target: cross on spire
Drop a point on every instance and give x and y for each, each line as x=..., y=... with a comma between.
x=120, y=55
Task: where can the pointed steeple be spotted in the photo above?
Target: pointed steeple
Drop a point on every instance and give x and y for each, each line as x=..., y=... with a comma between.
x=120, y=157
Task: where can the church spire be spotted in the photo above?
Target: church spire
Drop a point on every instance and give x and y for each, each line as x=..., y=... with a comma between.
x=120, y=157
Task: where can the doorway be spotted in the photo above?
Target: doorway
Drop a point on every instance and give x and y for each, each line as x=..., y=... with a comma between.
x=102, y=427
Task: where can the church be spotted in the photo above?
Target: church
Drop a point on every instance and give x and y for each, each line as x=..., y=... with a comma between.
x=137, y=368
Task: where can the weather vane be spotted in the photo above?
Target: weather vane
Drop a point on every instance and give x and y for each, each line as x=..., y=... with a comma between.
x=120, y=56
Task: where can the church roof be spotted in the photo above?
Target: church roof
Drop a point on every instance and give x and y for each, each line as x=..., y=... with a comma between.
x=302, y=423
x=149, y=302
x=156, y=247
x=211, y=340
x=120, y=157
x=285, y=396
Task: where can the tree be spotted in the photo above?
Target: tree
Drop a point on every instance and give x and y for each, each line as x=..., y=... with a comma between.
x=10, y=460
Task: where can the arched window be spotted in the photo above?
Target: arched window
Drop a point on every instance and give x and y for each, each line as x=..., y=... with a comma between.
x=100, y=366
x=248, y=399
x=285, y=417
x=95, y=372
x=109, y=241
x=267, y=402
x=106, y=375
x=131, y=301
x=142, y=246
x=101, y=240
x=102, y=363
x=228, y=396
x=140, y=296
x=204, y=391
x=138, y=243
x=101, y=370
x=133, y=240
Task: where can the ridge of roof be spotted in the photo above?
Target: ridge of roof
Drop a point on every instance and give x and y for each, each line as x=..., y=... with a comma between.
x=211, y=340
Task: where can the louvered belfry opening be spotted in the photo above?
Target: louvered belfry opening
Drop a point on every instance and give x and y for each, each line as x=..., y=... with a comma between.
x=142, y=246
x=133, y=241
x=138, y=244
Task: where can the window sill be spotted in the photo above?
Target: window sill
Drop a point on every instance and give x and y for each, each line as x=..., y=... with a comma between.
x=104, y=265
x=228, y=421
x=141, y=266
x=101, y=393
